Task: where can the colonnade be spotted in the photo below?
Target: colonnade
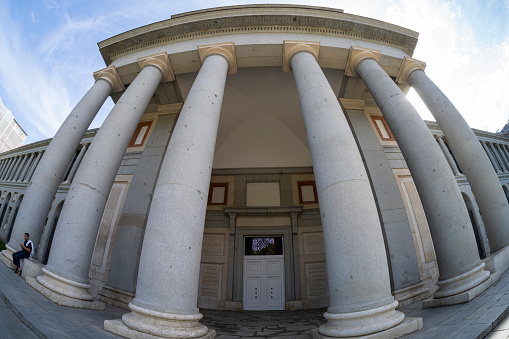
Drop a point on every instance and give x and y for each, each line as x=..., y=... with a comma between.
x=360, y=299
x=19, y=168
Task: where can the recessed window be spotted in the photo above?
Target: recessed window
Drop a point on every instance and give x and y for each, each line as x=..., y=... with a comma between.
x=307, y=192
x=140, y=134
x=263, y=246
x=382, y=128
x=218, y=194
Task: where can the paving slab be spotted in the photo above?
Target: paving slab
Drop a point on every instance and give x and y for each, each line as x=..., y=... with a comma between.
x=24, y=313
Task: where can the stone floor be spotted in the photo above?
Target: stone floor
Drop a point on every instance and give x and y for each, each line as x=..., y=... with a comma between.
x=24, y=313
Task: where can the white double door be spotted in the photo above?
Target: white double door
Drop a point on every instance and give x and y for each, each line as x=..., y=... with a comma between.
x=264, y=283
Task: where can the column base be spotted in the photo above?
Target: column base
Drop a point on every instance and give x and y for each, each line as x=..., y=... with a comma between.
x=463, y=297
x=6, y=256
x=408, y=325
x=462, y=283
x=412, y=294
x=356, y=324
x=64, y=292
x=146, y=323
x=116, y=297
x=118, y=327
x=31, y=268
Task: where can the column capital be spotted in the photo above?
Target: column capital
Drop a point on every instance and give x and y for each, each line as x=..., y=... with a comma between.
x=408, y=66
x=356, y=55
x=161, y=61
x=290, y=47
x=226, y=49
x=110, y=74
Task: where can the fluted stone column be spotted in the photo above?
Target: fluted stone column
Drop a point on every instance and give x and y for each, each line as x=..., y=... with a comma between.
x=7, y=167
x=76, y=164
x=504, y=148
x=20, y=167
x=14, y=168
x=491, y=157
x=461, y=270
x=502, y=156
x=4, y=166
x=360, y=299
x=71, y=251
x=177, y=214
x=41, y=191
x=34, y=166
x=501, y=164
x=27, y=166
x=448, y=156
x=474, y=162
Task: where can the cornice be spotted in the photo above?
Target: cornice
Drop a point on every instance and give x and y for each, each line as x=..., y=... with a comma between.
x=481, y=135
x=258, y=19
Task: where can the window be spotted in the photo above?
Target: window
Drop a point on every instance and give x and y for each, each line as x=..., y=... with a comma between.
x=307, y=192
x=218, y=194
x=382, y=128
x=140, y=134
x=263, y=246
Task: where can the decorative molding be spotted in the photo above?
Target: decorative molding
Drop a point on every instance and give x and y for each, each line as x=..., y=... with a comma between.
x=225, y=49
x=160, y=61
x=290, y=47
x=357, y=54
x=408, y=66
x=355, y=104
x=110, y=74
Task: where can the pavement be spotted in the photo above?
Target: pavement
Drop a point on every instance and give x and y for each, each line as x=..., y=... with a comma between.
x=24, y=313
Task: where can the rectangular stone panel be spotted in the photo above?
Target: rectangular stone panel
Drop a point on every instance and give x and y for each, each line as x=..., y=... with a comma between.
x=313, y=243
x=210, y=280
x=213, y=244
x=316, y=278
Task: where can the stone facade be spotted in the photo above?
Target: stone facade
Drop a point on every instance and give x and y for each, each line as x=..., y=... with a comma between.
x=277, y=168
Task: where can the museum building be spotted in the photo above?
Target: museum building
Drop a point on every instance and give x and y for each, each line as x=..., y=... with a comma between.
x=260, y=157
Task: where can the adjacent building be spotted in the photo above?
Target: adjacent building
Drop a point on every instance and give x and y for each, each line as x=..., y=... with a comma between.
x=12, y=134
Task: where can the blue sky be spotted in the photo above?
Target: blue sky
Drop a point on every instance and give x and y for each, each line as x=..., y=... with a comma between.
x=48, y=51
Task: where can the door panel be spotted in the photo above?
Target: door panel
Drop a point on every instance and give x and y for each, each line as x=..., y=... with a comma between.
x=275, y=293
x=264, y=283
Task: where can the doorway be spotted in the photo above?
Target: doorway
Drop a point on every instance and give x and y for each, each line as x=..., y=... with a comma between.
x=264, y=285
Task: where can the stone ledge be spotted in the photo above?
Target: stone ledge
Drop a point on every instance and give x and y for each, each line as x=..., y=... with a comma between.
x=116, y=297
x=6, y=260
x=462, y=297
x=118, y=327
x=498, y=261
x=63, y=300
x=408, y=325
x=31, y=268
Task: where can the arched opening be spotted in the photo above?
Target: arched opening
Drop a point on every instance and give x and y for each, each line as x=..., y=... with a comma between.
x=13, y=220
x=3, y=233
x=475, y=225
x=54, y=223
x=506, y=191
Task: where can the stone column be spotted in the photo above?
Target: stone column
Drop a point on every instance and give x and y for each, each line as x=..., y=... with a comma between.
x=41, y=191
x=501, y=164
x=71, y=251
x=474, y=162
x=27, y=166
x=360, y=296
x=448, y=156
x=34, y=166
x=490, y=157
x=177, y=214
x=13, y=170
x=506, y=152
x=7, y=168
x=20, y=167
x=461, y=270
x=502, y=156
x=76, y=164
x=4, y=165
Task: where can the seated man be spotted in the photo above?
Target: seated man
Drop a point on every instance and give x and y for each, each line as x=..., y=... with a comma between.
x=26, y=250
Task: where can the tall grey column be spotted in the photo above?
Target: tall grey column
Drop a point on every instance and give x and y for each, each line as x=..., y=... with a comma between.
x=13, y=170
x=76, y=231
x=177, y=214
x=473, y=160
x=448, y=156
x=506, y=152
x=40, y=193
x=20, y=168
x=4, y=165
x=360, y=299
x=34, y=166
x=491, y=157
x=502, y=156
x=27, y=166
x=501, y=164
x=76, y=164
x=455, y=246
